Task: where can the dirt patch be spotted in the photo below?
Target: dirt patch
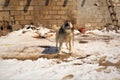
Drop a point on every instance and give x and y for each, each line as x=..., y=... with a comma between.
x=102, y=62
x=89, y=38
x=32, y=56
x=83, y=41
x=85, y=35
x=21, y=57
x=68, y=77
x=36, y=52
x=35, y=57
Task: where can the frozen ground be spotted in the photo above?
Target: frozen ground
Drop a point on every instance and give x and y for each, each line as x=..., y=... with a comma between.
x=96, y=56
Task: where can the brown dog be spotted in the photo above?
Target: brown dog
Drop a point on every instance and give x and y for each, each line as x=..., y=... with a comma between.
x=65, y=34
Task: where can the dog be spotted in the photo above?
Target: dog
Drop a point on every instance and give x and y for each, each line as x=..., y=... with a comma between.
x=65, y=34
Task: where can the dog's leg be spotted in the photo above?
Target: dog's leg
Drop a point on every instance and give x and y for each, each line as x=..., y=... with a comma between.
x=60, y=47
x=70, y=46
x=56, y=43
x=57, y=40
x=67, y=45
x=57, y=46
x=72, y=43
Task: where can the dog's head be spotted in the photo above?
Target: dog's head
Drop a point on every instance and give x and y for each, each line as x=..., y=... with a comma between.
x=68, y=25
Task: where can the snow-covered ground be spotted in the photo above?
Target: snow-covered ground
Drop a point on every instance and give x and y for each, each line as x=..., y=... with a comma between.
x=96, y=56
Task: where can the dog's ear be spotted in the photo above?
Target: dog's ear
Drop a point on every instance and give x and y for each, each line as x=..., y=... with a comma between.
x=71, y=26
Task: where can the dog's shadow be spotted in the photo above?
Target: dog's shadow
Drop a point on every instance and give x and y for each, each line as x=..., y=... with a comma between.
x=49, y=50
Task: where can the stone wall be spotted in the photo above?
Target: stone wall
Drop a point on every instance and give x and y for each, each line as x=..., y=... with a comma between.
x=90, y=14
x=94, y=14
x=13, y=11
x=55, y=12
x=46, y=12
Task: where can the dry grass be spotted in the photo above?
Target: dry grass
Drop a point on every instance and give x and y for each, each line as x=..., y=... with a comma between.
x=102, y=62
x=35, y=57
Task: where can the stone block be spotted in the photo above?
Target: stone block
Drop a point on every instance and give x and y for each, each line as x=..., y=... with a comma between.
x=46, y=7
x=56, y=17
x=6, y=8
x=42, y=2
x=1, y=8
x=14, y=2
x=11, y=18
x=17, y=7
x=36, y=7
x=4, y=13
x=118, y=5
x=31, y=12
x=116, y=1
x=60, y=3
x=52, y=12
x=22, y=3
x=63, y=17
x=19, y=17
x=52, y=22
x=56, y=8
x=47, y=17
x=2, y=2
x=30, y=8
x=25, y=13
x=14, y=12
x=28, y=17
x=45, y=12
x=16, y=27
x=52, y=3
x=23, y=22
x=62, y=12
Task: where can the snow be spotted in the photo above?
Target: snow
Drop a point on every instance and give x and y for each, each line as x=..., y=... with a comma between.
x=83, y=65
